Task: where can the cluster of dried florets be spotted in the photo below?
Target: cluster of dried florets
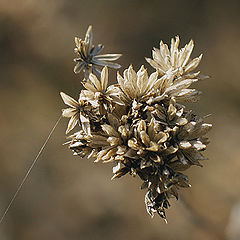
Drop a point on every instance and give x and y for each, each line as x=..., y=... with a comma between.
x=140, y=123
x=88, y=58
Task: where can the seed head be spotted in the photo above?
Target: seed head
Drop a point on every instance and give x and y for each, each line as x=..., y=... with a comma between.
x=140, y=124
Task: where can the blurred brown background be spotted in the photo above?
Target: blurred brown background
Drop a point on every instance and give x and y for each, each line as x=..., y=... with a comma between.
x=66, y=198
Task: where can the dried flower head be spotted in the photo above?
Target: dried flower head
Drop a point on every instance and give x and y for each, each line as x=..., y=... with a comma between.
x=88, y=58
x=174, y=62
x=140, y=125
x=98, y=94
x=77, y=113
x=136, y=85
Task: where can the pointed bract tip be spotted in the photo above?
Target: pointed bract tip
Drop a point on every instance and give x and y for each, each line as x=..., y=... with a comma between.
x=62, y=94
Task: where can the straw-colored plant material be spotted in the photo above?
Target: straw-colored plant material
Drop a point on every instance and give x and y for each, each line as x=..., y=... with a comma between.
x=88, y=58
x=139, y=124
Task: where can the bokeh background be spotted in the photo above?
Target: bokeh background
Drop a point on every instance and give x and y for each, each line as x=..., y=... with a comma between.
x=67, y=198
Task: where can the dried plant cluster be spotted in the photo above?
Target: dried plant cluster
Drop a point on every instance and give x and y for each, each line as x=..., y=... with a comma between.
x=140, y=123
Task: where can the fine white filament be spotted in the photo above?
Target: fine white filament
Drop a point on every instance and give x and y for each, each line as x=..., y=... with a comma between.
x=28, y=171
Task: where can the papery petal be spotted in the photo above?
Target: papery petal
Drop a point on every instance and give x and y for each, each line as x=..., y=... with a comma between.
x=79, y=67
x=108, y=57
x=104, y=78
x=72, y=123
x=96, y=50
x=95, y=82
x=69, y=100
x=69, y=112
x=105, y=63
x=193, y=64
x=109, y=130
x=89, y=38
